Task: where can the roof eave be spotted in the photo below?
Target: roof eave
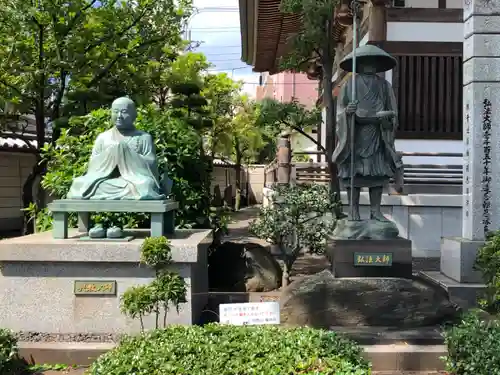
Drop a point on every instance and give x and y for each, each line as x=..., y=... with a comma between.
x=247, y=30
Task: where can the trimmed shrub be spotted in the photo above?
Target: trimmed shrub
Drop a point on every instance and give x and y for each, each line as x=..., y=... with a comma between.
x=488, y=263
x=8, y=351
x=473, y=347
x=228, y=350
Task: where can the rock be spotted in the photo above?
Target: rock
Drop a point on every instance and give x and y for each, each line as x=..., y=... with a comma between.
x=322, y=301
x=365, y=229
x=243, y=267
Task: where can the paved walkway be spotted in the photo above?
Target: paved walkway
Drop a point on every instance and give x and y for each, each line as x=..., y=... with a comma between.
x=240, y=222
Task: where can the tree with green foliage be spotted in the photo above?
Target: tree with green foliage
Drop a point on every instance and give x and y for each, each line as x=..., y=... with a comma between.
x=314, y=42
x=60, y=58
x=293, y=116
x=296, y=221
x=187, y=68
x=220, y=91
x=245, y=138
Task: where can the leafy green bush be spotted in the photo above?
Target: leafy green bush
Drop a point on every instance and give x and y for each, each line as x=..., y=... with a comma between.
x=177, y=149
x=297, y=220
x=488, y=262
x=227, y=350
x=8, y=351
x=168, y=288
x=473, y=347
x=156, y=252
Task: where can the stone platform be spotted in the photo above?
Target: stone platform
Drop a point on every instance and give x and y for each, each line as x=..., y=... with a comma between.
x=42, y=281
x=370, y=258
x=457, y=275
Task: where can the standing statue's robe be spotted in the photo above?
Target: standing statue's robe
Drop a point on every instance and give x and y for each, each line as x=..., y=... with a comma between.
x=375, y=157
x=120, y=167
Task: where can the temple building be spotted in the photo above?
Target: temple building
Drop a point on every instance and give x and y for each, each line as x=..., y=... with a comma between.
x=426, y=38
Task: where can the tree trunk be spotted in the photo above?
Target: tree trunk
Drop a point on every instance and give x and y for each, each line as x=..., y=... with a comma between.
x=37, y=171
x=28, y=196
x=327, y=64
x=237, y=200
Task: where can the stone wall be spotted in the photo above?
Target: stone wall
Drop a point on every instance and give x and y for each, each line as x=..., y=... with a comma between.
x=14, y=169
x=254, y=174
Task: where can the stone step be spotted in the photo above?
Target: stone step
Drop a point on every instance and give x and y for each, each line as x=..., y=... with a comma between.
x=390, y=335
x=464, y=295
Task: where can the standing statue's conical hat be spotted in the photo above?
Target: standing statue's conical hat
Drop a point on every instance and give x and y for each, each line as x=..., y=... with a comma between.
x=370, y=54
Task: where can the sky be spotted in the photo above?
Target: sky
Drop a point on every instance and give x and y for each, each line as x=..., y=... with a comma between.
x=219, y=32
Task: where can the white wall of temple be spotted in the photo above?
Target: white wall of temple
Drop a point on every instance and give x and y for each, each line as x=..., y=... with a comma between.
x=456, y=4
x=432, y=3
x=421, y=3
x=425, y=32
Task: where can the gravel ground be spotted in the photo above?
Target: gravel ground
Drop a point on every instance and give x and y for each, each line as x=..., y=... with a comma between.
x=73, y=337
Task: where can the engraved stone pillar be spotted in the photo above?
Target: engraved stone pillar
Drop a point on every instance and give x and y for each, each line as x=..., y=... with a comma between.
x=481, y=177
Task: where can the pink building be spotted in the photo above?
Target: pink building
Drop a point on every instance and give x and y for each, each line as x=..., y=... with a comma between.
x=285, y=86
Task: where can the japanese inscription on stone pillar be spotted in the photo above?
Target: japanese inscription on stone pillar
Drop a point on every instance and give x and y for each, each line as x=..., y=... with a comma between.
x=481, y=93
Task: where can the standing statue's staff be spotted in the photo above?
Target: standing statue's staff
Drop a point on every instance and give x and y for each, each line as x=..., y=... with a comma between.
x=355, y=5
x=366, y=126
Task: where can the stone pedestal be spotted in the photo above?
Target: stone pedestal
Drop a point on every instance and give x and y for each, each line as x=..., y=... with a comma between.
x=458, y=256
x=370, y=258
x=61, y=286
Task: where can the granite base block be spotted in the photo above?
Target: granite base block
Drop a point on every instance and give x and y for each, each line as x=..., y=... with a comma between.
x=464, y=295
x=37, y=275
x=458, y=256
x=342, y=253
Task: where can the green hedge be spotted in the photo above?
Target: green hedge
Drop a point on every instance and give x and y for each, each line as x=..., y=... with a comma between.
x=227, y=350
x=8, y=351
x=473, y=347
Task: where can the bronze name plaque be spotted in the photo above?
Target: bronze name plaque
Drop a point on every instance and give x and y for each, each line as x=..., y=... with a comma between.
x=95, y=287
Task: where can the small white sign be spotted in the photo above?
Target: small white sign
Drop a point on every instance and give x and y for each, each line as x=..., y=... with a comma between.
x=251, y=313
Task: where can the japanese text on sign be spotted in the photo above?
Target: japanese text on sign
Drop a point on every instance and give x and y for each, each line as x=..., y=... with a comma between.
x=95, y=287
x=240, y=314
x=373, y=259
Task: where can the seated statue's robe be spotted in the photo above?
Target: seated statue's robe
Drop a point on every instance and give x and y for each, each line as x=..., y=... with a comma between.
x=120, y=168
x=375, y=157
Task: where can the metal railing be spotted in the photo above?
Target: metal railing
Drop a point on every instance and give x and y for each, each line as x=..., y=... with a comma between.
x=425, y=178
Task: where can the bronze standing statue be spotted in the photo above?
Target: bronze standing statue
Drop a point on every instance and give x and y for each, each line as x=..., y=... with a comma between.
x=372, y=119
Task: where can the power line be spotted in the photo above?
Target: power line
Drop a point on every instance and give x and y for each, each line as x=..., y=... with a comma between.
x=216, y=31
x=216, y=46
x=223, y=54
x=229, y=69
x=284, y=83
x=223, y=60
x=216, y=28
